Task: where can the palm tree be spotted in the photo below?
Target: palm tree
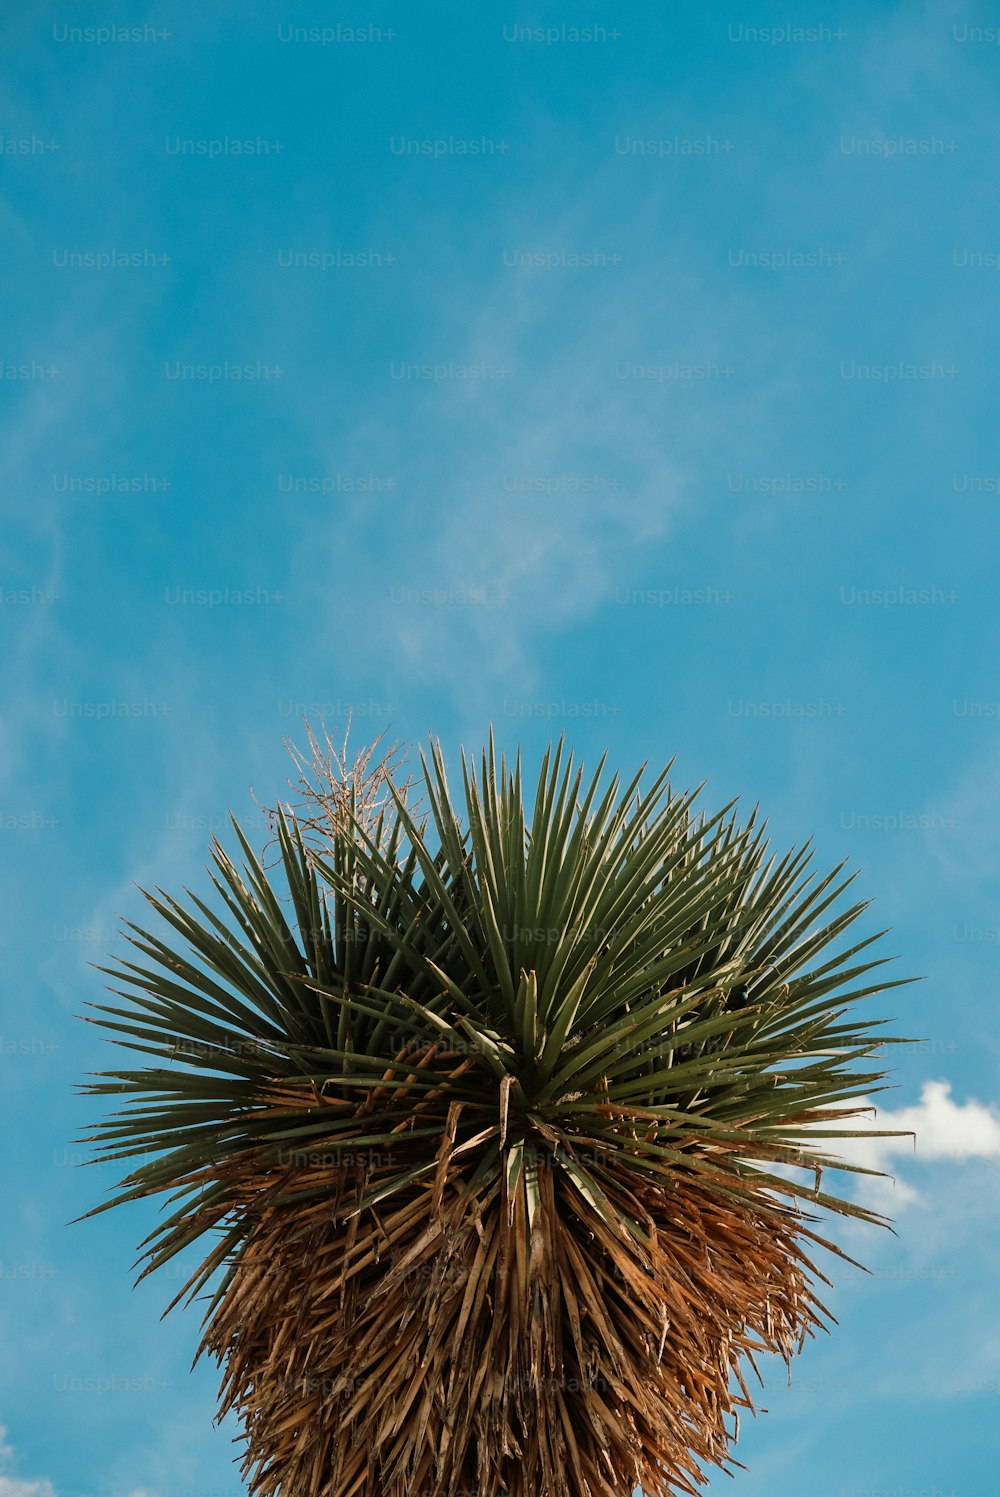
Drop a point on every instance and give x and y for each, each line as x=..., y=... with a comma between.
x=503, y=1130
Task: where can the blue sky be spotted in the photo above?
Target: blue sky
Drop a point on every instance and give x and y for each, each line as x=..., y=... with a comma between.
x=641, y=387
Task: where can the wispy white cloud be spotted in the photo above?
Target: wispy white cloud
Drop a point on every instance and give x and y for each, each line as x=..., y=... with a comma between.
x=971, y=806
x=13, y=1486
x=567, y=409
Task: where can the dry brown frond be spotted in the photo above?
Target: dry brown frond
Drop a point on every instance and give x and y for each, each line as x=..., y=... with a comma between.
x=429, y=1352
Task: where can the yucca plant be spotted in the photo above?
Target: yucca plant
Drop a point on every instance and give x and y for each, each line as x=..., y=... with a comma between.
x=505, y=1128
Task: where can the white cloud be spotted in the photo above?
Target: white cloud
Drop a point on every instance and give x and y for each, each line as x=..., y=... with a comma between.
x=943, y=1129
x=13, y=1486
x=947, y=1129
